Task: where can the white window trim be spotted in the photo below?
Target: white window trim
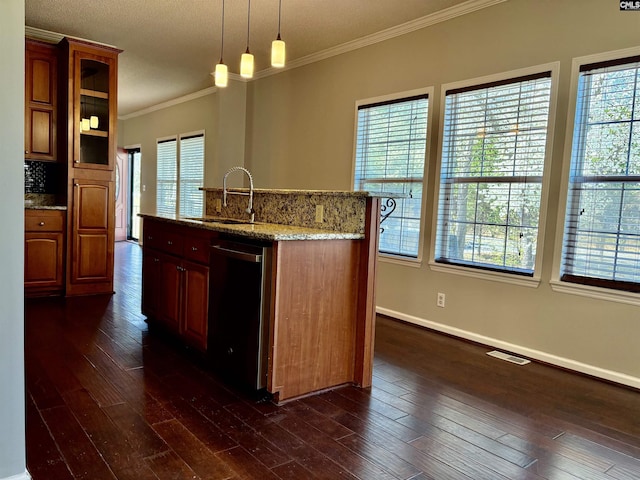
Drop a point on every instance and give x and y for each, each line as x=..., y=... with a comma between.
x=511, y=278
x=558, y=285
x=429, y=91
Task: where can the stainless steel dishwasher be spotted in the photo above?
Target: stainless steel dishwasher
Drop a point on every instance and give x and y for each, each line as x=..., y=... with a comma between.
x=239, y=312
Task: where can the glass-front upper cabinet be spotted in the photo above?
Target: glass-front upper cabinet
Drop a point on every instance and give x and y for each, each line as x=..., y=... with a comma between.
x=93, y=118
x=92, y=104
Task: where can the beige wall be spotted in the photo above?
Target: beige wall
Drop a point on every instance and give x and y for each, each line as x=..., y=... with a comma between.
x=301, y=136
x=12, y=437
x=223, y=119
x=300, y=133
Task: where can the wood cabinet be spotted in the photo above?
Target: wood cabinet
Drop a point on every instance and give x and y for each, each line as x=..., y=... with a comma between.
x=41, y=102
x=92, y=241
x=175, y=280
x=319, y=295
x=43, y=252
x=89, y=106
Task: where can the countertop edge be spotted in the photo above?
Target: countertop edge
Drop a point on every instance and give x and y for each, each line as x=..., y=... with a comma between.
x=45, y=207
x=260, y=230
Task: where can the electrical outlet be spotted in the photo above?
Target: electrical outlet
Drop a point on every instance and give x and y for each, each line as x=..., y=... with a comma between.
x=319, y=213
x=218, y=205
x=441, y=299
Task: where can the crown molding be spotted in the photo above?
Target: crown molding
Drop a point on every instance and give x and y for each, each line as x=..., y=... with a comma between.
x=383, y=35
x=55, y=37
x=170, y=103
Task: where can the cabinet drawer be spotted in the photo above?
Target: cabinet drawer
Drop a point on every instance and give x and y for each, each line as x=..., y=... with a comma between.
x=44, y=221
x=169, y=241
x=150, y=234
x=197, y=248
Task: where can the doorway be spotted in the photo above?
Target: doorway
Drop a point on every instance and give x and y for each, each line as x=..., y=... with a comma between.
x=133, y=220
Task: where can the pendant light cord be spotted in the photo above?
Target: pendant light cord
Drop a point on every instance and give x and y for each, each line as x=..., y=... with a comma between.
x=248, y=24
x=279, y=17
x=222, y=35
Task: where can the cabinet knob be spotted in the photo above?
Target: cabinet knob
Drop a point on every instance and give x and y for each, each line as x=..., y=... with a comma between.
x=26, y=152
x=41, y=224
x=149, y=237
x=169, y=242
x=194, y=249
x=156, y=260
x=76, y=161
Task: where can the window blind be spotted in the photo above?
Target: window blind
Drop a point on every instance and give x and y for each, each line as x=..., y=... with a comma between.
x=166, y=177
x=390, y=152
x=191, y=176
x=602, y=227
x=493, y=156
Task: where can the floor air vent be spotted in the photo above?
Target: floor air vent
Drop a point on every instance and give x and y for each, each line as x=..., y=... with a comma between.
x=508, y=358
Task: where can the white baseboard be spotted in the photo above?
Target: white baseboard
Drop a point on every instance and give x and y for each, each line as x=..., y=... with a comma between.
x=545, y=357
x=20, y=476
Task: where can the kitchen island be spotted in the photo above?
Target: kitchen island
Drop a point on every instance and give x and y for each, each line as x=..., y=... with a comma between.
x=318, y=252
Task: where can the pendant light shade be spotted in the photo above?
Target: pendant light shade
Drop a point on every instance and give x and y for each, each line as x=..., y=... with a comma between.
x=93, y=121
x=221, y=75
x=246, y=62
x=246, y=65
x=277, y=53
x=278, y=46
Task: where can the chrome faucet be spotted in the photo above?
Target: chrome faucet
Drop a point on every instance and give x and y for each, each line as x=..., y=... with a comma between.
x=249, y=209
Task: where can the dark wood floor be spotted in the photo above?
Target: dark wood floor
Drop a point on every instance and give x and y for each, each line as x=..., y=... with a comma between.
x=106, y=399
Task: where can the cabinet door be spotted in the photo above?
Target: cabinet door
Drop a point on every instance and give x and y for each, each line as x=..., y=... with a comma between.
x=94, y=107
x=151, y=272
x=170, y=291
x=195, y=304
x=92, y=237
x=43, y=260
x=40, y=101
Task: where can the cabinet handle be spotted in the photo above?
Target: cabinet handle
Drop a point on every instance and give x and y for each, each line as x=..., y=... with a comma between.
x=41, y=224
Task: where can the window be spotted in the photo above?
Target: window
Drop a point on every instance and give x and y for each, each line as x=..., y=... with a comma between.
x=390, y=154
x=601, y=245
x=166, y=177
x=179, y=177
x=493, y=157
x=191, y=176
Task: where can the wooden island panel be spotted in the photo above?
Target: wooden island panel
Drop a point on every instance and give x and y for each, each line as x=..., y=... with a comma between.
x=314, y=316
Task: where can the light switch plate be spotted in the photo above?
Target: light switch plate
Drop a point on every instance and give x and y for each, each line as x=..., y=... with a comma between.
x=218, y=205
x=319, y=213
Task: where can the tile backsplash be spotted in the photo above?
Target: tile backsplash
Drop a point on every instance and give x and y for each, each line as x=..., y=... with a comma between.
x=41, y=177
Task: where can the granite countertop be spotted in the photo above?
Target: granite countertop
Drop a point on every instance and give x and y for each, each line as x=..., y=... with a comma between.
x=258, y=230
x=45, y=207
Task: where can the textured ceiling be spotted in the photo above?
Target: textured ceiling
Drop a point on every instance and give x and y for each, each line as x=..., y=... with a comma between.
x=171, y=46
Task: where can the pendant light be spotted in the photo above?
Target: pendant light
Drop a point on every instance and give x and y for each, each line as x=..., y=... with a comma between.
x=246, y=62
x=277, y=46
x=221, y=73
